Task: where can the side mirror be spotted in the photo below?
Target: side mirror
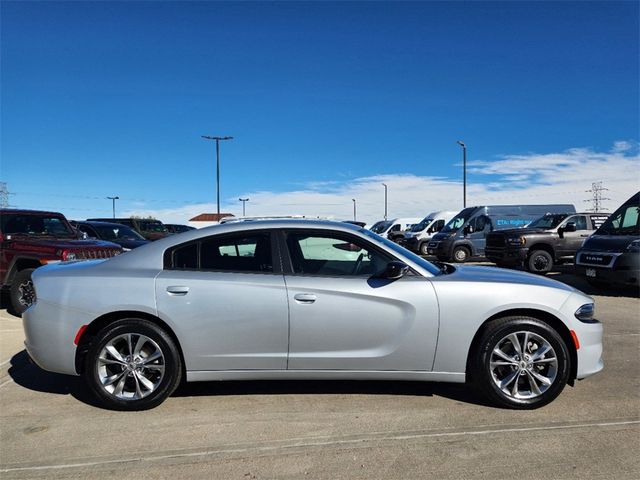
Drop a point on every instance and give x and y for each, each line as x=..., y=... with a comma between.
x=395, y=270
x=468, y=229
x=570, y=227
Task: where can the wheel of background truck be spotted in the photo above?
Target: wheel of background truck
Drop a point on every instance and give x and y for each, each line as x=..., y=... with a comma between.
x=22, y=291
x=539, y=261
x=132, y=364
x=461, y=254
x=520, y=362
x=424, y=248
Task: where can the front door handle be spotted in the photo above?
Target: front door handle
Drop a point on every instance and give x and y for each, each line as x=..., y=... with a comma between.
x=305, y=297
x=177, y=290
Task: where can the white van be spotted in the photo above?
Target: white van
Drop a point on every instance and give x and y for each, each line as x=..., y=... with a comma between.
x=394, y=229
x=417, y=239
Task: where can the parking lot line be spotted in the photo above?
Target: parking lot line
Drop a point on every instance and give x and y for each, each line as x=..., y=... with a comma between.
x=335, y=442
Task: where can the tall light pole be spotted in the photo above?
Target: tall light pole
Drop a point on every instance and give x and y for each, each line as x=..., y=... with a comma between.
x=464, y=173
x=217, y=139
x=354, y=209
x=385, y=200
x=113, y=204
x=243, y=200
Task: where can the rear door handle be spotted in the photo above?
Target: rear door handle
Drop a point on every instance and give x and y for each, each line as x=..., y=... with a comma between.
x=305, y=297
x=177, y=290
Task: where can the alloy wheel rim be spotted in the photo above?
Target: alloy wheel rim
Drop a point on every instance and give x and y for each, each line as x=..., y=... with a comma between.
x=461, y=255
x=523, y=365
x=130, y=366
x=26, y=293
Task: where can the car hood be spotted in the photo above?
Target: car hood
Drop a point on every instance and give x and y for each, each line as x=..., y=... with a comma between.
x=608, y=243
x=130, y=244
x=524, y=231
x=66, y=244
x=471, y=273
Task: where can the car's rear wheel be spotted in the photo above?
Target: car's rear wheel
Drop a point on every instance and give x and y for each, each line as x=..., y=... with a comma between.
x=520, y=362
x=540, y=261
x=132, y=364
x=22, y=292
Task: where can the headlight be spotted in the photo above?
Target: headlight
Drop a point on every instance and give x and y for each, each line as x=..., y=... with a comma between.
x=634, y=247
x=66, y=256
x=521, y=241
x=585, y=313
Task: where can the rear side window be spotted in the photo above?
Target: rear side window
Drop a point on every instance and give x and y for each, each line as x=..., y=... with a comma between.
x=231, y=253
x=237, y=253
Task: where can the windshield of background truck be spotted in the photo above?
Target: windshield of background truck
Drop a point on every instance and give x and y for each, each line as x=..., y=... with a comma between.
x=458, y=221
x=547, y=222
x=117, y=233
x=625, y=221
x=146, y=226
x=380, y=227
x=28, y=224
x=422, y=225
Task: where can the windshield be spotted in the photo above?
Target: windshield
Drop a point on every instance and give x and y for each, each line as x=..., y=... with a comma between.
x=458, y=221
x=26, y=224
x=422, y=225
x=547, y=222
x=624, y=221
x=117, y=232
x=151, y=226
x=428, y=266
x=380, y=227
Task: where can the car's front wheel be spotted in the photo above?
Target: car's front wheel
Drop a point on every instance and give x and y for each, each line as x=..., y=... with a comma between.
x=424, y=248
x=520, y=362
x=132, y=364
x=540, y=261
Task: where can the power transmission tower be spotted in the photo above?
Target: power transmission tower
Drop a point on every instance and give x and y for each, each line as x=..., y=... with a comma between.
x=597, y=198
x=4, y=195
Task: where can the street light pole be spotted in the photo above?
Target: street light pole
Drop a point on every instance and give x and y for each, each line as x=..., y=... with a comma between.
x=113, y=204
x=354, y=209
x=243, y=200
x=385, y=200
x=464, y=173
x=217, y=139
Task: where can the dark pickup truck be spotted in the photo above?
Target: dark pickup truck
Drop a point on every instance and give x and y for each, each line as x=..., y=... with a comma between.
x=32, y=238
x=551, y=239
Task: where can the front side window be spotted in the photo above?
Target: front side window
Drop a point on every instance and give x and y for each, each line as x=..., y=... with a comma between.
x=580, y=221
x=334, y=255
x=28, y=224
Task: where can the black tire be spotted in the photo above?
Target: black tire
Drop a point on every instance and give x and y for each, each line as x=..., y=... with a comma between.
x=461, y=254
x=539, y=261
x=495, y=335
x=424, y=248
x=167, y=381
x=22, y=292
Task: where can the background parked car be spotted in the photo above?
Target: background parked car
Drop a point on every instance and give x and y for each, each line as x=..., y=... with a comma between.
x=465, y=236
x=394, y=229
x=32, y=238
x=417, y=237
x=149, y=228
x=124, y=236
x=611, y=256
x=551, y=239
x=175, y=228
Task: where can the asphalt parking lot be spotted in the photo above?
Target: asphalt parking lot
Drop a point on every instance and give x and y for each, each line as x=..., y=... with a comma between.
x=365, y=430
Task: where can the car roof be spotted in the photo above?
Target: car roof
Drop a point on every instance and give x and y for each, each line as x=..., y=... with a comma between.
x=98, y=223
x=29, y=212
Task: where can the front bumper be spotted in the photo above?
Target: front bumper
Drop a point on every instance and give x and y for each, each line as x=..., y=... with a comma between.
x=439, y=248
x=512, y=256
x=619, y=268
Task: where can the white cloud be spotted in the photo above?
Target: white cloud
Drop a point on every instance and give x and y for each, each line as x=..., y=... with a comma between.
x=530, y=178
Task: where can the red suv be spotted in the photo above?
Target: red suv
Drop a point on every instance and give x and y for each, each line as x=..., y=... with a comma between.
x=30, y=239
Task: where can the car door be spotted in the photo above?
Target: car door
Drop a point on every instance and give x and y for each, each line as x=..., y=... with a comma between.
x=228, y=301
x=480, y=227
x=572, y=241
x=342, y=317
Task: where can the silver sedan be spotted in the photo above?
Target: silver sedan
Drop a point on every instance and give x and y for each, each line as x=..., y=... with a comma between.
x=305, y=300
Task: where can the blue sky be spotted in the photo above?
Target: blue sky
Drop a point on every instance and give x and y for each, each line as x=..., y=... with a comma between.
x=111, y=98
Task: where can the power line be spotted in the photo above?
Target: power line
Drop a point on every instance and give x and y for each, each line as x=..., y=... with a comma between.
x=4, y=195
x=596, y=198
